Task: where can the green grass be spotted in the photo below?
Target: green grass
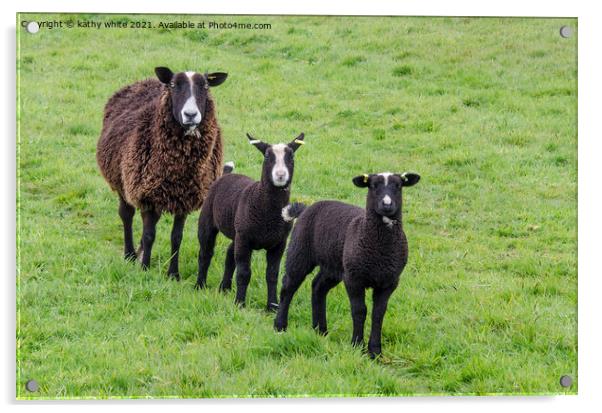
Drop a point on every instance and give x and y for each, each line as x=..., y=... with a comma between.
x=483, y=109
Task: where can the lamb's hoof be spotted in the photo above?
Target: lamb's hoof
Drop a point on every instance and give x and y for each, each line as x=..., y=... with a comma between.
x=321, y=331
x=374, y=352
x=199, y=286
x=174, y=276
x=272, y=307
x=130, y=256
x=279, y=326
x=225, y=288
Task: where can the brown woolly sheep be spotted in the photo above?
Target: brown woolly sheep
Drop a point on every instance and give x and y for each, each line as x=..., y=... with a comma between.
x=160, y=149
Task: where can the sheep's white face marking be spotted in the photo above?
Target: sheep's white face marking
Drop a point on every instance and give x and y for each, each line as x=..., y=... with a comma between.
x=280, y=172
x=191, y=115
x=387, y=200
x=386, y=175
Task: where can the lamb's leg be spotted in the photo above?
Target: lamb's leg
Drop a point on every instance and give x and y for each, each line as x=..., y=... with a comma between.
x=357, y=296
x=320, y=287
x=273, y=256
x=126, y=212
x=380, y=300
x=230, y=265
x=207, y=234
x=296, y=271
x=149, y=224
x=242, y=257
x=176, y=240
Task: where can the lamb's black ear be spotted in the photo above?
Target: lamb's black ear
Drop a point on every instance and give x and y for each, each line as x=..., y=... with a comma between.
x=216, y=78
x=297, y=142
x=164, y=74
x=409, y=178
x=262, y=146
x=362, y=181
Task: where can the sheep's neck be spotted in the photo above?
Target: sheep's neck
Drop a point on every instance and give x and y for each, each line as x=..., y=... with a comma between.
x=270, y=197
x=374, y=225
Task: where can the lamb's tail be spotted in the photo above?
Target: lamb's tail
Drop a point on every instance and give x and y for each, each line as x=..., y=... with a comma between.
x=292, y=211
x=228, y=167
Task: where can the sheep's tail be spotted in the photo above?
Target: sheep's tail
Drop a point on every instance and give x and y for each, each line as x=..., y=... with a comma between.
x=228, y=167
x=292, y=211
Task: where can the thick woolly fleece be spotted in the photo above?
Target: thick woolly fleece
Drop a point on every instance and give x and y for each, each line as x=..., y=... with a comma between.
x=147, y=157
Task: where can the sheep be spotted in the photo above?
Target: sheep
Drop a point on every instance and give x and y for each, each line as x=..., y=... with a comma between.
x=160, y=149
x=254, y=215
x=364, y=248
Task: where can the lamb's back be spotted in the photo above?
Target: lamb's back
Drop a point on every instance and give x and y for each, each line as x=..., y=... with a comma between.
x=323, y=226
x=223, y=198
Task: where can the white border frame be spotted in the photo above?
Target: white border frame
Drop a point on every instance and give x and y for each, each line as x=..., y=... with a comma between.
x=590, y=275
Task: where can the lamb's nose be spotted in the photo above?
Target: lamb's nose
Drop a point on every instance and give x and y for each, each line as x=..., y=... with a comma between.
x=190, y=114
x=280, y=174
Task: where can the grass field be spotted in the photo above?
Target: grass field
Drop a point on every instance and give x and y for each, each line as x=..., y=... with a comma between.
x=484, y=109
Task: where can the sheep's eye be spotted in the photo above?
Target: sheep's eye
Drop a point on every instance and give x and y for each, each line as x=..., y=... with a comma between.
x=172, y=85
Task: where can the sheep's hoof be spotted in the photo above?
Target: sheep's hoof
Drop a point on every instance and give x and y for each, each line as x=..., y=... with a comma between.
x=225, y=288
x=374, y=352
x=279, y=327
x=321, y=331
x=130, y=256
x=272, y=307
x=174, y=276
x=199, y=286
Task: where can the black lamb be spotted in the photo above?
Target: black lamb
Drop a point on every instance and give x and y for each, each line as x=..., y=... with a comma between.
x=254, y=215
x=364, y=248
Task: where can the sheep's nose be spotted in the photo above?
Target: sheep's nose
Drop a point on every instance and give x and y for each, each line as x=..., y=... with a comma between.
x=280, y=174
x=190, y=114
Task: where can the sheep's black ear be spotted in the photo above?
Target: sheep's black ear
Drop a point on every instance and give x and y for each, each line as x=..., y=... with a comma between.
x=262, y=146
x=409, y=178
x=164, y=74
x=216, y=78
x=297, y=142
x=362, y=181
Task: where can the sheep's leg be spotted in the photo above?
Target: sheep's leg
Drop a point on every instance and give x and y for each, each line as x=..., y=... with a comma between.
x=380, y=300
x=357, y=299
x=176, y=240
x=230, y=265
x=149, y=224
x=320, y=287
x=242, y=257
x=207, y=234
x=273, y=256
x=126, y=212
x=296, y=271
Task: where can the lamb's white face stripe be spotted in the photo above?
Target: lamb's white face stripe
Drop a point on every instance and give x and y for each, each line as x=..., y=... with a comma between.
x=280, y=173
x=190, y=105
x=386, y=175
x=387, y=200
